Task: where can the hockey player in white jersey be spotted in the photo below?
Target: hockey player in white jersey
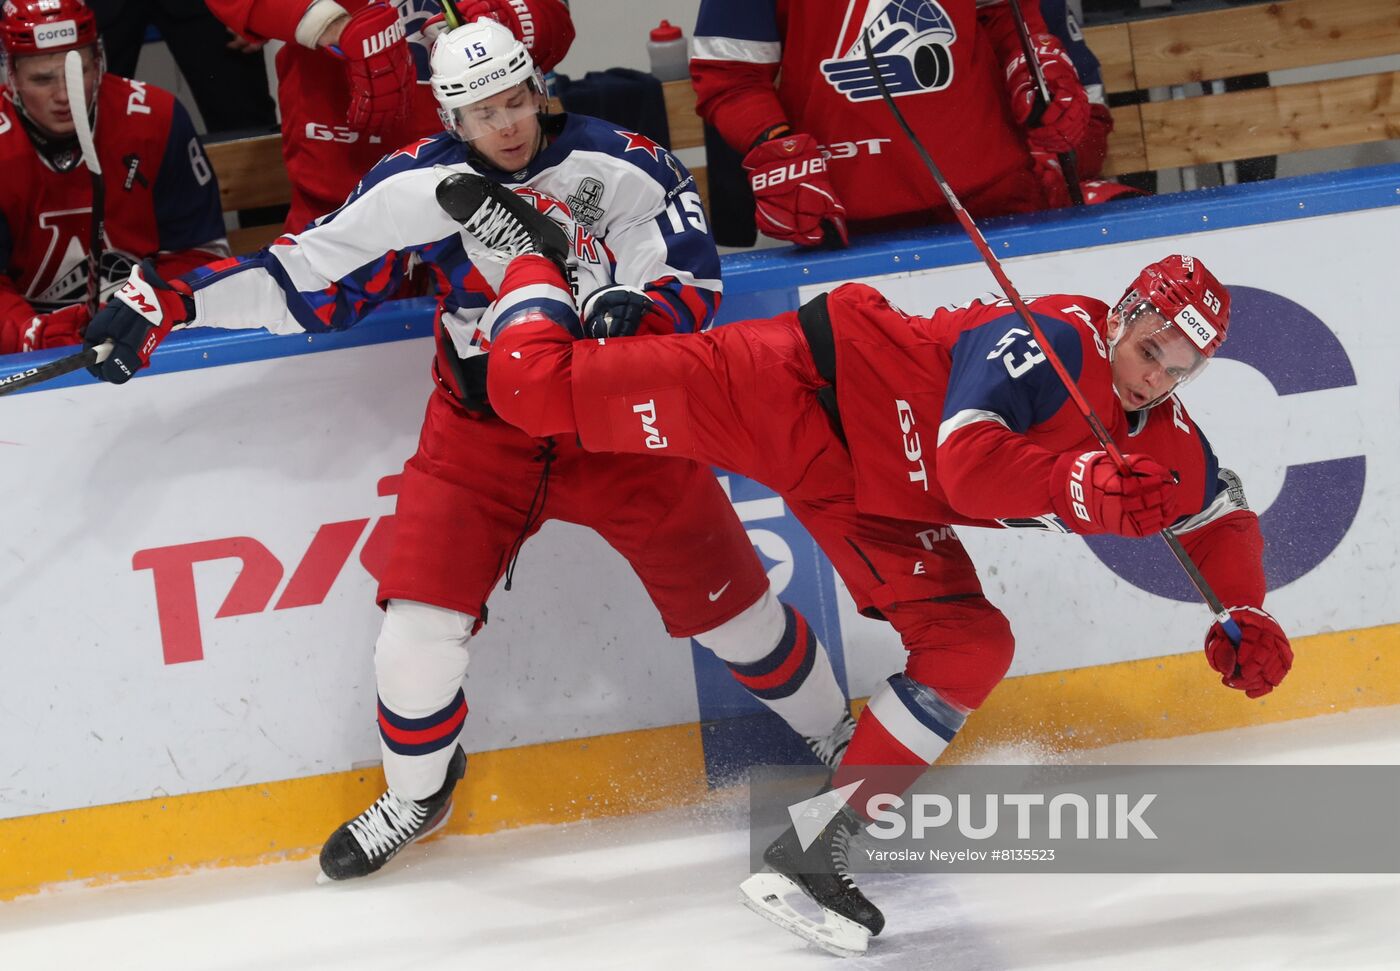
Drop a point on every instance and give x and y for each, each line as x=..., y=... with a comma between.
x=638, y=253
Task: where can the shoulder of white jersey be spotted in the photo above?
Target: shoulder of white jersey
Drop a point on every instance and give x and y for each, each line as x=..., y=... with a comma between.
x=422, y=153
x=584, y=133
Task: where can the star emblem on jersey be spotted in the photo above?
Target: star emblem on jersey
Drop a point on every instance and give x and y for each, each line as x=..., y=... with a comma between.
x=413, y=150
x=636, y=142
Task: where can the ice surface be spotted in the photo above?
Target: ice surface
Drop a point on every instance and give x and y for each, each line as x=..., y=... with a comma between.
x=659, y=892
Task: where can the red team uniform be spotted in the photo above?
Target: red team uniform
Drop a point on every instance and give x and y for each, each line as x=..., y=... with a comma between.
x=942, y=61
x=162, y=202
x=325, y=156
x=942, y=431
x=883, y=431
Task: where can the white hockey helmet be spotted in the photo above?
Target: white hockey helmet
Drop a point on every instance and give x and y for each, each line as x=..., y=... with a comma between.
x=473, y=63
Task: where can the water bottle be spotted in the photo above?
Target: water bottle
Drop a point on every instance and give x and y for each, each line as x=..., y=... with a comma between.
x=670, y=57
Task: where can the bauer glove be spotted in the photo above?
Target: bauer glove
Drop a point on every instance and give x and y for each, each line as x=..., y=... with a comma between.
x=792, y=194
x=1092, y=496
x=1066, y=118
x=137, y=318
x=1264, y=656
x=380, y=68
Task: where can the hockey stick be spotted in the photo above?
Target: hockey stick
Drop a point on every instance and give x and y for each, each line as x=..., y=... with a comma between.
x=451, y=14
x=1222, y=616
x=56, y=369
x=1069, y=161
x=82, y=127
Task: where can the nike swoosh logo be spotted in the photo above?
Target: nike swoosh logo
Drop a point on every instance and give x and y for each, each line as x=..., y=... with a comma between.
x=720, y=592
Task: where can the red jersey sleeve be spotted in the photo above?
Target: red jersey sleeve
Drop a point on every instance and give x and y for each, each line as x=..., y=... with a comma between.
x=265, y=19
x=734, y=62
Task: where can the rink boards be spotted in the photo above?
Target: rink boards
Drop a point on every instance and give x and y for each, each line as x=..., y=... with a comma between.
x=188, y=561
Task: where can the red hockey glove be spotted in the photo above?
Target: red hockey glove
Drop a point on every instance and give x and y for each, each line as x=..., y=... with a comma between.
x=380, y=67
x=615, y=311
x=793, y=198
x=1264, y=656
x=58, y=329
x=1092, y=496
x=546, y=30
x=1051, y=177
x=136, y=319
x=500, y=11
x=1066, y=117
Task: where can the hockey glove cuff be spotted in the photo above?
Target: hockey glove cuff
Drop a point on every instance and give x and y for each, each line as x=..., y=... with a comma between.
x=137, y=318
x=1261, y=661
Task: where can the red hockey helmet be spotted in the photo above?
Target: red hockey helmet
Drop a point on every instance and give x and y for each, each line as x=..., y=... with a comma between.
x=1180, y=312
x=45, y=26
x=1189, y=295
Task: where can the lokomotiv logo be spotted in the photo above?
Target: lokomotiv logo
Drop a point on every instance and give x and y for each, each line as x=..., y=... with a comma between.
x=62, y=33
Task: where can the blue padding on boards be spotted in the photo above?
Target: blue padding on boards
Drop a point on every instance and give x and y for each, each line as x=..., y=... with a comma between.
x=201, y=347
x=765, y=282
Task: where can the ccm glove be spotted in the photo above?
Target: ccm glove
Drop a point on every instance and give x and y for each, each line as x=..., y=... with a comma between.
x=793, y=198
x=1092, y=496
x=614, y=311
x=58, y=329
x=1264, y=656
x=1066, y=119
x=380, y=68
x=137, y=318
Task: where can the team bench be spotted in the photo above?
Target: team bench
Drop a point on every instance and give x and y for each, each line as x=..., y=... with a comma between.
x=1164, y=52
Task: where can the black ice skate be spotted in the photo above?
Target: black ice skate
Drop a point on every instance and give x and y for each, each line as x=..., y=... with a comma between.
x=820, y=871
x=370, y=840
x=501, y=221
x=829, y=748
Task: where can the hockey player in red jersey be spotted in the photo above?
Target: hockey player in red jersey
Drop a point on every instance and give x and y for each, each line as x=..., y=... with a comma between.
x=353, y=79
x=162, y=200
x=881, y=430
x=478, y=489
x=821, y=149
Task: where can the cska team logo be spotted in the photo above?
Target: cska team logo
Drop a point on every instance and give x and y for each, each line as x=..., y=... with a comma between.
x=911, y=41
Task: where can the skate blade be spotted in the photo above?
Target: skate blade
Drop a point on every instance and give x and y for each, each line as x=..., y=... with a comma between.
x=763, y=894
